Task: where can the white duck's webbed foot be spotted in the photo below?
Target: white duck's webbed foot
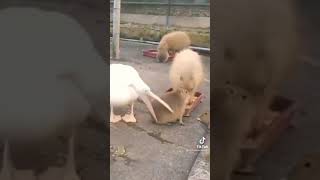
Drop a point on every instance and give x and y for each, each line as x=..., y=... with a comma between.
x=114, y=118
x=129, y=117
x=7, y=169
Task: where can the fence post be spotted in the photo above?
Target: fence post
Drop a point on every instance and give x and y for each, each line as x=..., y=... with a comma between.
x=168, y=14
x=116, y=29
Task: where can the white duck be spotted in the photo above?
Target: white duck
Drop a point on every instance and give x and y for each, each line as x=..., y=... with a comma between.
x=126, y=86
x=50, y=79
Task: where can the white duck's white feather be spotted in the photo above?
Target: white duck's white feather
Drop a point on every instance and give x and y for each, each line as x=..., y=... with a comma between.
x=121, y=76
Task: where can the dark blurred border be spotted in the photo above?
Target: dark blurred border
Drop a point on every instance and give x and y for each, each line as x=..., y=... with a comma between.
x=93, y=15
x=213, y=56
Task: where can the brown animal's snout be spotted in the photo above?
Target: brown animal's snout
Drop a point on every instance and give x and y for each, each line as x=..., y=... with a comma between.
x=190, y=86
x=162, y=57
x=184, y=91
x=187, y=84
x=171, y=52
x=186, y=88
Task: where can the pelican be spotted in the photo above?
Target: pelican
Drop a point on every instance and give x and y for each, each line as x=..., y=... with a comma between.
x=126, y=86
x=51, y=78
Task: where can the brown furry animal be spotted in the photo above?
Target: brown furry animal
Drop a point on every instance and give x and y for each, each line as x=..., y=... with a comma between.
x=186, y=71
x=177, y=100
x=172, y=42
x=256, y=48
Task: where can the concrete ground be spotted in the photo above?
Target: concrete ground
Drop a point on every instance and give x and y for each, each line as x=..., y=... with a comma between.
x=145, y=150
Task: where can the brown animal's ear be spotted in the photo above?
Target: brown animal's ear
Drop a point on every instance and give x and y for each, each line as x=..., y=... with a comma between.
x=181, y=78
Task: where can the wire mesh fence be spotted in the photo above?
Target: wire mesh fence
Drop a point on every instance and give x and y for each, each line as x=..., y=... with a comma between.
x=151, y=19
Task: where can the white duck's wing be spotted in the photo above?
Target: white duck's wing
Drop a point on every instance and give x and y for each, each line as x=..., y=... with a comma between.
x=122, y=74
x=126, y=74
x=120, y=79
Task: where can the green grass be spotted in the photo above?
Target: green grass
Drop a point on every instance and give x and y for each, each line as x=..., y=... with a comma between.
x=199, y=36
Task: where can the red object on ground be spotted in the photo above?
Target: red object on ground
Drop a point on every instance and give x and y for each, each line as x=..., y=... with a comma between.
x=256, y=146
x=199, y=96
x=153, y=53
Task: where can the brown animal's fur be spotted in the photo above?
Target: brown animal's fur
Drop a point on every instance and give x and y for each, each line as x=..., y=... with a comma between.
x=174, y=41
x=186, y=71
x=177, y=100
x=256, y=50
x=233, y=109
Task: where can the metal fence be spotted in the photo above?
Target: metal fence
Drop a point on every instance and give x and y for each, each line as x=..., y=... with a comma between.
x=166, y=7
x=192, y=16
x=168, y=2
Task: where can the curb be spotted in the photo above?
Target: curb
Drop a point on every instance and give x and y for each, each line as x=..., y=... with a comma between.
x=201, y=167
